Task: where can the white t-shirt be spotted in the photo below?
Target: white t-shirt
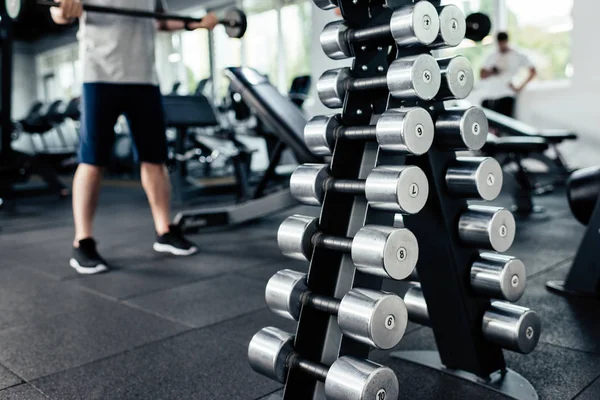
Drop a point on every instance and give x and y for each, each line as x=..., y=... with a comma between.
x=119, y=49
x=509, y=64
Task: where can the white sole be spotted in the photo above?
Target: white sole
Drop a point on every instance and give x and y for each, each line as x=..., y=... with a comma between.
x=87, y=271
x=166, y=248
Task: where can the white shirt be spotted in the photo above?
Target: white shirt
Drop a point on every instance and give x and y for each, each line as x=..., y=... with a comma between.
x=119, y=49
x=508, y=64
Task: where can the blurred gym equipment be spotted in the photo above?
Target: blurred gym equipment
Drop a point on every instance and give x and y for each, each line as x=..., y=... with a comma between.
x=583, y=192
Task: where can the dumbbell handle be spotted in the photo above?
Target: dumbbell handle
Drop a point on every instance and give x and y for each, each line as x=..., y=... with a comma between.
x=377, y=82
x=326, y=304
x=314, y=370
x=356, y=132
x=352, y=186
x=369, y=34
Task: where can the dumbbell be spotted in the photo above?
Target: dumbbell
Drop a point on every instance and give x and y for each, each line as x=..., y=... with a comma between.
x=415, y=25
x=507, y=325
x=458, y=78
x=377, y=319
x=461, y=129
x=475, y=178
x=489, y=228
x=271, y=353
x=416, y=77
x=402, y=189
x=375, y=250
x=495, y=276
x=453, y=27
x=409, y=130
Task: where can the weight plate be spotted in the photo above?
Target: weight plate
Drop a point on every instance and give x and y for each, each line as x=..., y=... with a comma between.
x=478, y=26
x=235, y=23
x=13, y=8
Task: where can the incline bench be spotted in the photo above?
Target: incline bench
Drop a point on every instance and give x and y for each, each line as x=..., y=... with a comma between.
x=286, y=122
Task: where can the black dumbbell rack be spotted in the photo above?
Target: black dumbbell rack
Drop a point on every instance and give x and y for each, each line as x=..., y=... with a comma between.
x=444, y=267
x=584, y=277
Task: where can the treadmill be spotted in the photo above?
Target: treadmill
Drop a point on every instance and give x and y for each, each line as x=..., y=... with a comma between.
x=286, y=122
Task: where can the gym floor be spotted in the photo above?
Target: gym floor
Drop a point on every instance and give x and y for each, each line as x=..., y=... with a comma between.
x=164, y=328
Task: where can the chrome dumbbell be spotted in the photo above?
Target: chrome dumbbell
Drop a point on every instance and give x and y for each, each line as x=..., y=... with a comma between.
x=458, y=78
x=271, y=353
x=475, y=178
x=377, y=319
x=376, y=250
x=507, y=325
x=489, y=228
x=408, y=130
x=415, y=25
x=461, y=129
x=495, y=276
x=402, y=189
x=412, y=78
x=453, y=27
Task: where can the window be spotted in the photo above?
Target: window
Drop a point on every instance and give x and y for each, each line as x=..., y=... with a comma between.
x=195, y=57
x=261, y=42
x=542, y=29
x=296, y=19
x=59, y=75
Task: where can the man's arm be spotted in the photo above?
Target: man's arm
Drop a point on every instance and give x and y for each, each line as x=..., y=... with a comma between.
x=209, y=21
x=526, y=62
x=67, y=13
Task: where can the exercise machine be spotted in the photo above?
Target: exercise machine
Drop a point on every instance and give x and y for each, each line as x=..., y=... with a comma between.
x=583, y=192
x=285, y=124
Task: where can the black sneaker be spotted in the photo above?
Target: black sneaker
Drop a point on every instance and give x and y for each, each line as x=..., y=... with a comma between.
x=174, y=243
x=86, y=259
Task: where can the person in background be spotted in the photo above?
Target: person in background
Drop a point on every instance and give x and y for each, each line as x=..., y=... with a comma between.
x=119, y=78
x=498, y=74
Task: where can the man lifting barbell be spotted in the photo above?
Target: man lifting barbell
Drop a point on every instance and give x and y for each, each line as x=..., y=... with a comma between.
x=119, y=75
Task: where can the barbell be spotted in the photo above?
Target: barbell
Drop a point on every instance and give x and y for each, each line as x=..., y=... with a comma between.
x=235, y=21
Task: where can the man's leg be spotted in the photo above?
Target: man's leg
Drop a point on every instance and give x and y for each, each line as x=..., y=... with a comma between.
x=99, y=114
x=155, y=179
x=145, y=115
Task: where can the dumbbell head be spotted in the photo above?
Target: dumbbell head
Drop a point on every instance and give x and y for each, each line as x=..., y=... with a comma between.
x=294, y=236
x=475, y=177
x=350, y=378
x=400, y=189
x=416, y=25
x=491, y=228
x=284, y=293
x=499, y=277
x=269, y=351
x=416, y=305
x=462, y=129
x=306, y=183
x=331, y=87
x=375, y=318
x=512, y=327
x=453, y=26
x=409, y=130
x=333, y=41
x=458, y=78
x=319, y=134
x=385, y=252
x=326, y=4
x=414, y=77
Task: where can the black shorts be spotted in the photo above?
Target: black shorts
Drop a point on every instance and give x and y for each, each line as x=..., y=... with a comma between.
x=101, y=106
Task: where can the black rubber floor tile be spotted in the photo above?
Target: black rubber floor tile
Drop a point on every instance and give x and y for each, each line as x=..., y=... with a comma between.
x=590, y=393
x=546, y=244
x=22, y=392
x=26, y=297
x=190, y=366
x=556, y=373
x=72, y=339
x=8, y=379
x=566, y=321
x=206, y=302
x=264, y=272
